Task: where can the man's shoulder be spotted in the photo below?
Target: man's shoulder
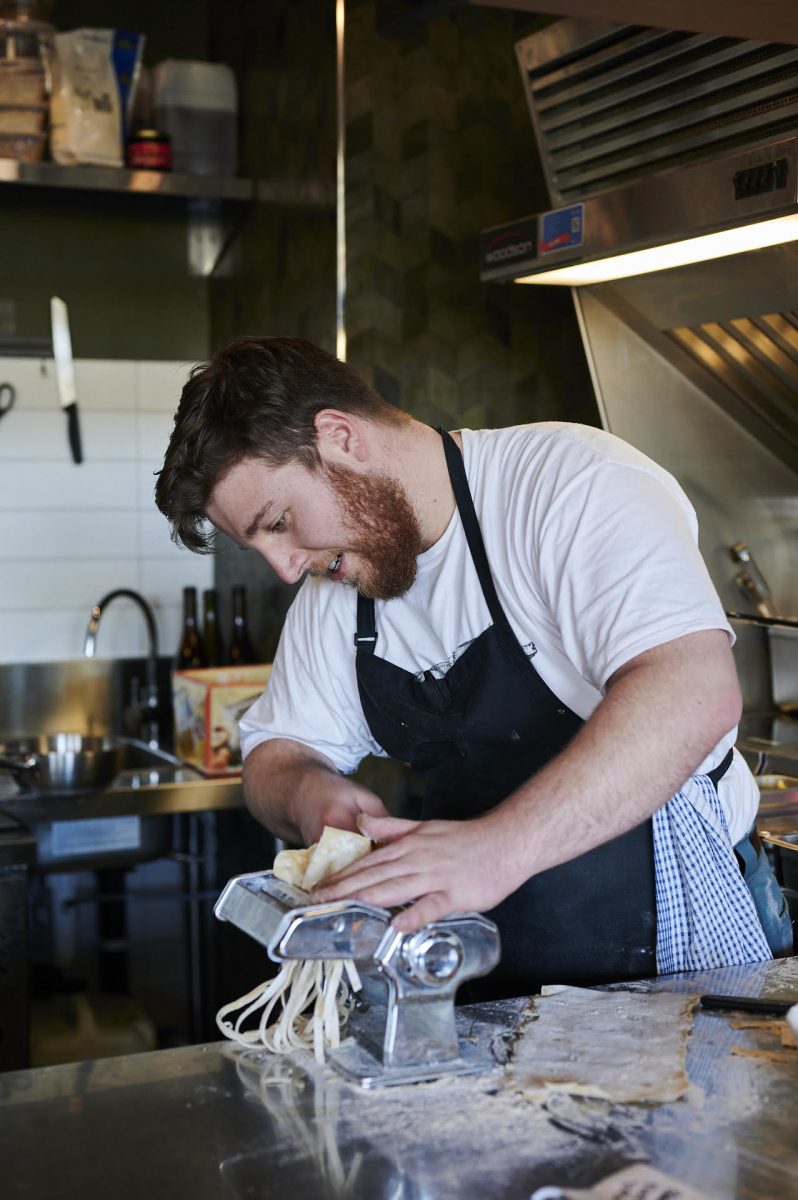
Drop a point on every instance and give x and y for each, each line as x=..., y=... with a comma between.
x=565, y=435
x=566, y=446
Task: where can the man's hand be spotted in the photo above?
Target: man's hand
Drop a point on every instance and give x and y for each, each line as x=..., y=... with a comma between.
x=443, y=866
x=339, y=802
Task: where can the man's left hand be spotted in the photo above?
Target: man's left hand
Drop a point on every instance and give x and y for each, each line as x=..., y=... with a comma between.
x=437, y=867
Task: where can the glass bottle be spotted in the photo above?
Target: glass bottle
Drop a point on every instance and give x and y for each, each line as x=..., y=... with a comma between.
x=191, y=653
x=211, y=639
x=241, y=648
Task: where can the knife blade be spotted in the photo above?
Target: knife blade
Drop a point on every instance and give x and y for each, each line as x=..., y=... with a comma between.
x=65, y=374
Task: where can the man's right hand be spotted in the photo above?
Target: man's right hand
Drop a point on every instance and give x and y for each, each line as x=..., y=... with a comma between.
x=295, y=791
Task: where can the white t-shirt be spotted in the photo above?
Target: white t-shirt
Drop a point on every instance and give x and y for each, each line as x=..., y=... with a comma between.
x=593, y=551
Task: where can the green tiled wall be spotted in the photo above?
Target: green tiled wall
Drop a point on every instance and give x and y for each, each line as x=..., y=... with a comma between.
x=439, y=147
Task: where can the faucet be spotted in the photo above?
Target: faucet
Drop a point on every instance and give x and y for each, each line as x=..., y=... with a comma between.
x=149, y=714
x=752, y=582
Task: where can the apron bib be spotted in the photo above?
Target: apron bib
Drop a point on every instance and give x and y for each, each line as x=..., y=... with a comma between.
x=476, y=734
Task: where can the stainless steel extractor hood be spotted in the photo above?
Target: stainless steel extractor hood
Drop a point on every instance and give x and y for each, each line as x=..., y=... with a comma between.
x=733, y=204
x=659, y=148
x=650, y=140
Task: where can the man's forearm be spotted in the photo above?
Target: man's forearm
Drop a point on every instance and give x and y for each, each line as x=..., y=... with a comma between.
x=295, y=791
x=278, y=780
x=641, y=744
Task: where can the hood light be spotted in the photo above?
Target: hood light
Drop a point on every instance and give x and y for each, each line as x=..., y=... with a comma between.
x=674, y=254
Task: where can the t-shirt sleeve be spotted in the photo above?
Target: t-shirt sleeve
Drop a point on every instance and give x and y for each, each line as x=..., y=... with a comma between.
x=312, y=695
x=621, y=568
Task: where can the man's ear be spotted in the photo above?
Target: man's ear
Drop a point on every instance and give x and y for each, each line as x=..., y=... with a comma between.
x=340, y=437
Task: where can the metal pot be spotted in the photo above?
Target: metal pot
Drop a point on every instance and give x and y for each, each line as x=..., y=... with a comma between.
x=62, y=762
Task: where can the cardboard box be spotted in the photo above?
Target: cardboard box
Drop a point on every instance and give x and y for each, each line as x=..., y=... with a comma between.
x=207, y=705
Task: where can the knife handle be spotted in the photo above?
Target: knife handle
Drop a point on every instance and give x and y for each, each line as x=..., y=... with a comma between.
x=73, y=430
x=748, y=1004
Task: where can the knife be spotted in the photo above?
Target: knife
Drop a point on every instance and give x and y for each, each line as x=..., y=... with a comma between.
x=777, y=1008
x=65, y=374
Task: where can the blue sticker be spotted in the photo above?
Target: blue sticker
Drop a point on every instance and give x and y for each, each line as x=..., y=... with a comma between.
x=562, y=228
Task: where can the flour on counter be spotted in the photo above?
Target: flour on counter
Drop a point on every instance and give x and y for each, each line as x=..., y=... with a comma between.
x=626, y=1047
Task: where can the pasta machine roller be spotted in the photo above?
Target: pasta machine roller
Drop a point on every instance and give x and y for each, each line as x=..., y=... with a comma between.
x=403, y=1027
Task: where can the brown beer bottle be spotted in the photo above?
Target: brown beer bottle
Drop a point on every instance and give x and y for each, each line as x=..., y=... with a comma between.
x=190, y=653
x=241, y=649
x=211, y=638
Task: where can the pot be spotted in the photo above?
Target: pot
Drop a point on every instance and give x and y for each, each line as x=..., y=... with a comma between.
x=62, y=762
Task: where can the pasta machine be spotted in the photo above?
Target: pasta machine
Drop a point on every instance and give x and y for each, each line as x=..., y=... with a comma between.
x=403, y=1026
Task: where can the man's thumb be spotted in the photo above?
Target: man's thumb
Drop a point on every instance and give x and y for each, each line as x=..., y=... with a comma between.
x=384, y=829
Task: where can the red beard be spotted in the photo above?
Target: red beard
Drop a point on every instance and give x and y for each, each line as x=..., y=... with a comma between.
x=386, y=533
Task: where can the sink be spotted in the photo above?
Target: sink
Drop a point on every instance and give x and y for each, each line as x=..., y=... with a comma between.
x=142, y=766
x=127, y=763
x=140, y=754
x=80, y=828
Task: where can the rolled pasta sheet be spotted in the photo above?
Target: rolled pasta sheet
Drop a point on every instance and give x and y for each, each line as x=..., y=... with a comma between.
x=306, y=1003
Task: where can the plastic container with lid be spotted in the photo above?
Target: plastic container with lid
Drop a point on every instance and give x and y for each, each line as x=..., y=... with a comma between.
x=196, y=103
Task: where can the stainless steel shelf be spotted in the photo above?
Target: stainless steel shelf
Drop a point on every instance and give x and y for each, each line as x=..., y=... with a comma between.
x=121, y=180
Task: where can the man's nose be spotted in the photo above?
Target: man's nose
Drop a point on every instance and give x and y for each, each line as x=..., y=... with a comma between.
x=290, y=564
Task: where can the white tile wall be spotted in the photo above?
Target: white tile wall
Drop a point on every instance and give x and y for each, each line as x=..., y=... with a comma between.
x=70, y=533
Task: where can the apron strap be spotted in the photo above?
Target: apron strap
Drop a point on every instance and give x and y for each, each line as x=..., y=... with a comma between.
x=473, y=533
x=366, y=631
x=717, y=773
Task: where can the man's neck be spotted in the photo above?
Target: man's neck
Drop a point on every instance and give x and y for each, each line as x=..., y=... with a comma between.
x=414, y=455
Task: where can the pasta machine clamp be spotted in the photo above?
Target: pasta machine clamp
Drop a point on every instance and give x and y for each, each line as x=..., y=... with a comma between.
x=403, y=1026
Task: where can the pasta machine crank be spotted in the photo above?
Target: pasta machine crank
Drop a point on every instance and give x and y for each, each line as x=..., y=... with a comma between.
x=403, y=1026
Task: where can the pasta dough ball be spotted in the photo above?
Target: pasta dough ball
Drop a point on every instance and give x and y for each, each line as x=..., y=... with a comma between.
x=335, y=849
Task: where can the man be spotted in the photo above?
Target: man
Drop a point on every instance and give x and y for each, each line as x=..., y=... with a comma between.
x=529, y=624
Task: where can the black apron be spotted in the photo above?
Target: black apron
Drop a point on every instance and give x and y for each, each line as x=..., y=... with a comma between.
x=474, y=736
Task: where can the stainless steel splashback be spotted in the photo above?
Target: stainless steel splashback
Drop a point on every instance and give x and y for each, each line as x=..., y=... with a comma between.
x=88, y=696
x=737, y=464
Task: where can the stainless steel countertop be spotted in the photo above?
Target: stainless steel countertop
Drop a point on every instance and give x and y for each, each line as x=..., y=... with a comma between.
x=214, y=1121
x=152, y=792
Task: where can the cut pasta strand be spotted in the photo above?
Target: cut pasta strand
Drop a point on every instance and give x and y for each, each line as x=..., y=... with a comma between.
x=314, y=997
x=314, y=1000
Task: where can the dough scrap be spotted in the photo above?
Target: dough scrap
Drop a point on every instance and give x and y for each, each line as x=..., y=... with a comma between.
x=627, y=1047
x=313, y=998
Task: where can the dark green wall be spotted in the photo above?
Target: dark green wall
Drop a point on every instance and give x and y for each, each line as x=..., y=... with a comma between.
x=440, y=146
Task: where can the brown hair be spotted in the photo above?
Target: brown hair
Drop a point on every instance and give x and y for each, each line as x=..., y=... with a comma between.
x=256, y=398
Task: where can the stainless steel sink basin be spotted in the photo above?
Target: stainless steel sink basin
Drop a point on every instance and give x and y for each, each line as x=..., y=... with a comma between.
x=70, y=764
x=138, y=754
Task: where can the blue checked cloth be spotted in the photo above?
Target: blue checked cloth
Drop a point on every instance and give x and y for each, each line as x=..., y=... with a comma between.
x=705, y=914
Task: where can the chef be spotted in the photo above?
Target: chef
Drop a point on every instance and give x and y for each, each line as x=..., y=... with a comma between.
x=522, y=615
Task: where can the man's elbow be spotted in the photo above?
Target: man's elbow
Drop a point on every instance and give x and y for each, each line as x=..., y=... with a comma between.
x=730, y=705
x=256, y=774
x=721, y=707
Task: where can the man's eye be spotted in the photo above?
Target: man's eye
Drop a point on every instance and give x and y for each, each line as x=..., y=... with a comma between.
x=279, y=525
